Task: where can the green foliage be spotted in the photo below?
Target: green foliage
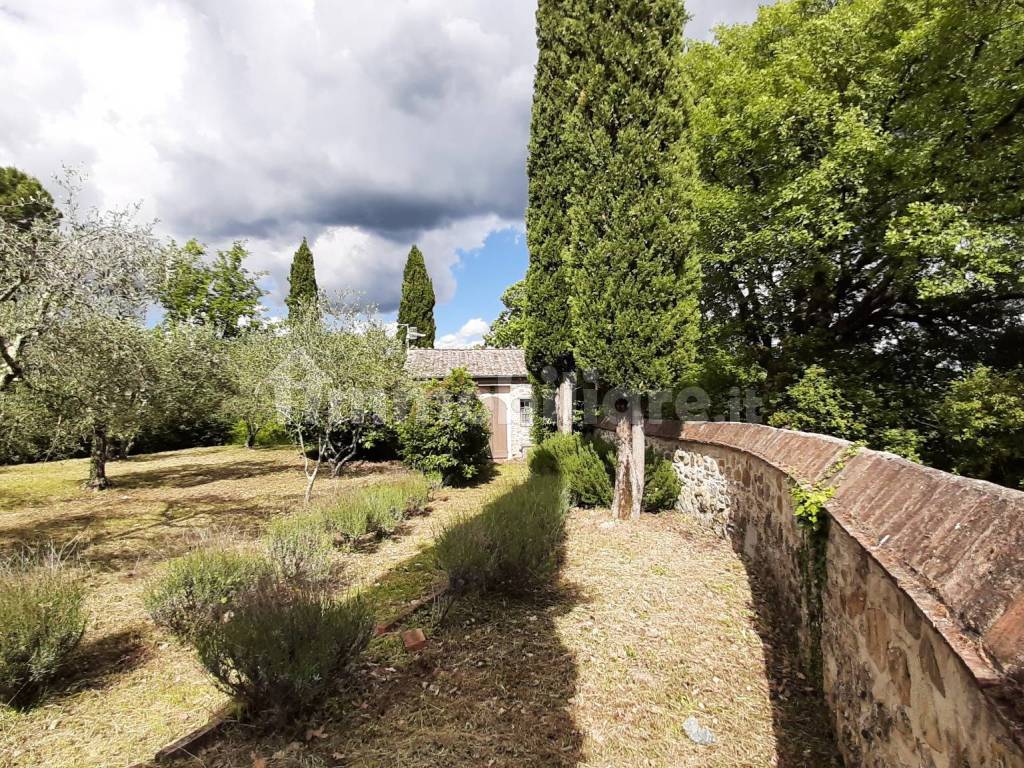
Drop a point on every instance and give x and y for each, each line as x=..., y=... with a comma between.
x=585, y=474
x=271, y=435
x=42, y=619
x=981, y=421
x=417, y=305
x=635, y=281
x=809, y=505
x=345, y=518
x=379, y=508
x=283, y=648
x=222, y=294
x=299, y=548
x=197, y=589
x=861, y=208
x=551, y=168
x=23, y=200
x=513, y=545
x=340, y=374
x=303, y=290
x=661, y=484
x=509, y=328
x=447, y=429
x=816, y=404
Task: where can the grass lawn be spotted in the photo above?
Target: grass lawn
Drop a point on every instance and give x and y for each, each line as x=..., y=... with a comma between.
x=649, y=624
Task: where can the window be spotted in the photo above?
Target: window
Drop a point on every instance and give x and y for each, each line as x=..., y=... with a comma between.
x=525, y=412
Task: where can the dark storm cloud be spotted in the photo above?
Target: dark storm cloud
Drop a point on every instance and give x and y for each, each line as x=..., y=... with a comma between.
x=364, y=124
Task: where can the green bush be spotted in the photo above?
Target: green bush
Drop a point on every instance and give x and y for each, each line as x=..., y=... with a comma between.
x=447, y=430
x=196, y=590
x=42, y=619
x=385, y=506
x=300, y=548
x=514, y=545
x=344, y=519
x=378, y=508
x=585, y=474
x=281, y=649
x=661, y=484
x=270, y=435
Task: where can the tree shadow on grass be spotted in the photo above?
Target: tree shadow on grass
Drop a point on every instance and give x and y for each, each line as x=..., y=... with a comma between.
x=493, y=687
x=173, y=530
x=99, y=662
x=803, y=732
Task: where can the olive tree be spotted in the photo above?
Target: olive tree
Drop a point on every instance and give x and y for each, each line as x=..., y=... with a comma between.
x=340, y=373
x=106, y=379
x=250, y=362
x=58, y=266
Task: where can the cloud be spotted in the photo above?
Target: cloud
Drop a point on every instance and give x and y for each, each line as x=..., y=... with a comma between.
x=363, y=125
x=469, y=335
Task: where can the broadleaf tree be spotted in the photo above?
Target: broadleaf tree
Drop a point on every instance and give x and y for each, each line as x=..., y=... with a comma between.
x=509, y=329
x=83, y=261
x=635, y=274
x=222, y=294
x=416, y=309
x=862, y=209
x=340, y=374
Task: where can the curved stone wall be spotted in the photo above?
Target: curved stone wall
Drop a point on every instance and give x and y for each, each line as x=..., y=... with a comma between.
x=908, y=609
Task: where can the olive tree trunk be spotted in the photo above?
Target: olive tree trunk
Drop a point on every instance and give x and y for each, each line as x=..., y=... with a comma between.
x=629, y=466
x=98, y=460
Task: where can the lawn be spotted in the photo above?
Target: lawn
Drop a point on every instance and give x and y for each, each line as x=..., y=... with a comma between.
x=649, y=624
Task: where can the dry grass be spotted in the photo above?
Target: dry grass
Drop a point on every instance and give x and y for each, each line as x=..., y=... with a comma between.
x=132, y=688
x=650, y=623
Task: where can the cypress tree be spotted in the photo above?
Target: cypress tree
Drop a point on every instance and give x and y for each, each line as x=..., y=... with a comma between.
x=417, y=306
x=550, y=168
x=301, y=280
x=635, y=280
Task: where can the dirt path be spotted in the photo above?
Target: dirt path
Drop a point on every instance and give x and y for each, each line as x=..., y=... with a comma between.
x=651, y=624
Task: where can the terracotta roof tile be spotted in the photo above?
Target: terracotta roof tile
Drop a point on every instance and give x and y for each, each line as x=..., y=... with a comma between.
x=481, y=363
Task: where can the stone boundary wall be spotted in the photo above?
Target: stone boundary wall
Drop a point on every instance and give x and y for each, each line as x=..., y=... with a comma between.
x=908, y=609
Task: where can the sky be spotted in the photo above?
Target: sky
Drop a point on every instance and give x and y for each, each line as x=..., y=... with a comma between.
x=363, y=125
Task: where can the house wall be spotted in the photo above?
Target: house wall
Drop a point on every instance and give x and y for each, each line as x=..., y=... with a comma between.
x=510, y=392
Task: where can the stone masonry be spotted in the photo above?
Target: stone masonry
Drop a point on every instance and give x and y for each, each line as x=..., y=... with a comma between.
x=908, y=609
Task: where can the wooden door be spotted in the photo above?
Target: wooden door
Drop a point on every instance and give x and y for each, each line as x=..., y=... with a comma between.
x=499, y=427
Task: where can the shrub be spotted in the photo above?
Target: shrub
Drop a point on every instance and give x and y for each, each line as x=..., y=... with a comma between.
x=42, y=620
x=378, y=508
x=417, y=489
x=385, y=506
x=585, y=474
x=282, y=649
x=446, y=430
x=344, y=519
x=299, y=548
x=514, y=545
x=661, y=484
x=197, y=589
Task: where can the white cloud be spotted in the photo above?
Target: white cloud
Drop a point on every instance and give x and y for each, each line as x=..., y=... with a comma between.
x=469, y=335
x=364, y=125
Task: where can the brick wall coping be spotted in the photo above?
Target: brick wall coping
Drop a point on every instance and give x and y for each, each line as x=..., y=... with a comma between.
x=954, y=545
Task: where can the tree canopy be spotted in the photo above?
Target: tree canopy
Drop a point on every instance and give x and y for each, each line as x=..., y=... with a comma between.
x=23, y=200
x=222, y=295
x=509, y=328
x=416, y=309
x=302, y=280
x=552, y=167
x=862, y=208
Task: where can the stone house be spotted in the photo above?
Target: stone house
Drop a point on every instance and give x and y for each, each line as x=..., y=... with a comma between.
x=501, y=384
